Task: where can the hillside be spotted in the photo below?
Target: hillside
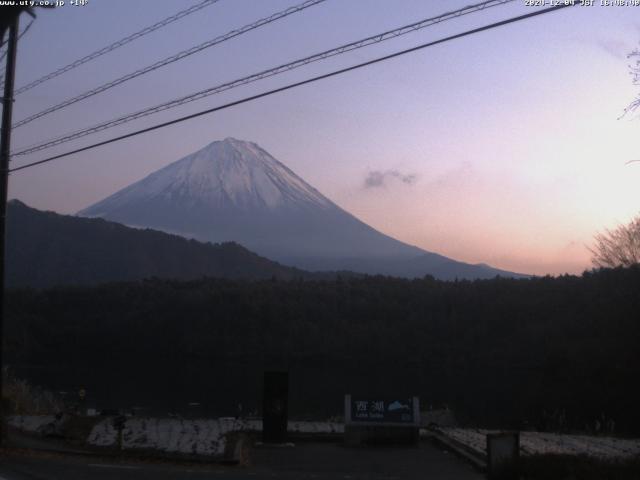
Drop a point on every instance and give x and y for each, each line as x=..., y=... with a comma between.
x=233, y=190
x=46, y=249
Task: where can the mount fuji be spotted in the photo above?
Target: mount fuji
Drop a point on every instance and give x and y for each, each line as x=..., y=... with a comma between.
x=233, y=190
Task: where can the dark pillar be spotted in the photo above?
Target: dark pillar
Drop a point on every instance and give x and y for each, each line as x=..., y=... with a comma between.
x=275, y=408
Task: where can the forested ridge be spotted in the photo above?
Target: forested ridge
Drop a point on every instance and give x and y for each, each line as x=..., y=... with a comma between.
x=500, y=352
x=45, y=249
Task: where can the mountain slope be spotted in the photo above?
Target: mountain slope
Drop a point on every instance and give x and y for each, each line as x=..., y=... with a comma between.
x=233, y=190
x=46, y=249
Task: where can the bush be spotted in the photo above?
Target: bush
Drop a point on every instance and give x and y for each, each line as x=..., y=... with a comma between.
x=22, y=398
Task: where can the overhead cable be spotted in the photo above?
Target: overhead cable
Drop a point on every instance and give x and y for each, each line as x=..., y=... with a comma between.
x=296, y=84
x=115, y=45
x=174, y=58
x=374, y=39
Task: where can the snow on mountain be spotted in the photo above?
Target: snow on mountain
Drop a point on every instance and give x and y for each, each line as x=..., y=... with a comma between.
x=230, y=172
x=233, y=190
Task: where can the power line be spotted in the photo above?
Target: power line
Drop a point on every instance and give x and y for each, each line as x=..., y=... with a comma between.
x=174, y=58
x=264, y=74
x=4, y=54
x=298, y=84
x=109, y=48
x=26, y=29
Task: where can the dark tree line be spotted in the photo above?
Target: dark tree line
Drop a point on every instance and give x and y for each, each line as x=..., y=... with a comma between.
x=499, y=352
x=45, y=249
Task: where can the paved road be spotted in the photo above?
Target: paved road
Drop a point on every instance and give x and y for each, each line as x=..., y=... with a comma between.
x=318, y=461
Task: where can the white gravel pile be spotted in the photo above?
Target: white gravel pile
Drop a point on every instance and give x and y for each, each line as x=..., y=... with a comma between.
x=31, y=423
x=539, y=443
x=200, y=437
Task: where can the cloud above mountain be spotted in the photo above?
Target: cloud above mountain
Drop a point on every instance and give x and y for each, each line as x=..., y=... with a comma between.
x=379, y=178
x=616, y=47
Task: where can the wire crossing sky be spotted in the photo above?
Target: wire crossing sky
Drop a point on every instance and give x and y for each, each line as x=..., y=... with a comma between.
x=115, y=45
x=4, y=50
x=365, y=42
x=298, y=84
x=174, y=58
x=513, y=139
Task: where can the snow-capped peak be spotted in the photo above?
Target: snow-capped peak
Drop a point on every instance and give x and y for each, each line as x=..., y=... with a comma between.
x=232, y=190
x=228, y=172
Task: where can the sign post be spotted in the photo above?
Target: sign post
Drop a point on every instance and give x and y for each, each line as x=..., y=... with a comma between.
x=381, y=420
x=82, y=397
x=118, y=424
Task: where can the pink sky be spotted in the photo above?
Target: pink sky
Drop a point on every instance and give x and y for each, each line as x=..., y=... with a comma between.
x=511, y=138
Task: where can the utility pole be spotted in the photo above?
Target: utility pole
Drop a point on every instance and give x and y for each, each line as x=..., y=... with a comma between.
x=5, y=146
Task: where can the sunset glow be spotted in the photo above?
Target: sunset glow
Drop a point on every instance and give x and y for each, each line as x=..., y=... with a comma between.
x=505, y=148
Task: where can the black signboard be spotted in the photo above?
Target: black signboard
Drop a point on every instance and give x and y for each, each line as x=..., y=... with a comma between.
x=275, y=407
x=396, y=410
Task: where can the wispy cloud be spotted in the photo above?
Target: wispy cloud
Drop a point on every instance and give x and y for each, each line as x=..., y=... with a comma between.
x=379, y=178
x=616, y=48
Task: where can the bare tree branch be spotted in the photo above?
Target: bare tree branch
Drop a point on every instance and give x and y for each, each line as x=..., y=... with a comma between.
x=634, y=70
x=618, y=247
